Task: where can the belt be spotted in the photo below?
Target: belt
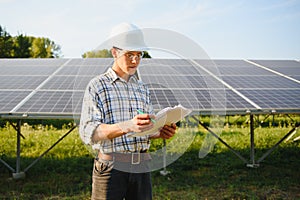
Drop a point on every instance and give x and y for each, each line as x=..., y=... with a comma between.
x=133, y=158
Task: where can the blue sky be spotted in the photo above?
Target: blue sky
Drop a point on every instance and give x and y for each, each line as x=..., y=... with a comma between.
x=230, y=29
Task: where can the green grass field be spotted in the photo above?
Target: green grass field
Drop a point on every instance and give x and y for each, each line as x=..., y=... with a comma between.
x=65, y=172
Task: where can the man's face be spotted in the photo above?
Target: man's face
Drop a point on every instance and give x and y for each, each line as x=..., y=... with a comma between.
x=127, y=62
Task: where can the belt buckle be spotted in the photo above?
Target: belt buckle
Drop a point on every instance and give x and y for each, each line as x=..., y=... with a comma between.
x=135, y=155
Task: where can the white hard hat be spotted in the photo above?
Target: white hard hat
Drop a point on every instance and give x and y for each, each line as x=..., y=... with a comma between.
x=128, y=37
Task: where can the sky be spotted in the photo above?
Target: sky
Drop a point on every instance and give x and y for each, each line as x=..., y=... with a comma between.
x=225, y=29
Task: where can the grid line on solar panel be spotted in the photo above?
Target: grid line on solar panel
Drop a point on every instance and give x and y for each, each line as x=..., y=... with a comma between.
x=67, y=83
x=200, y=99
x=27, y=70
x=38, y=87
x=82, y=70
x=91, y=62
x=233, y=67
x=296, y=77
x=49, y=102
x=275, y=72
x=187, y=82
x=274, y=99
x=243, y=71
x=287, y=67
x=9, y=99
x=21, y=82
x=32, y=62
x=259, y=82
x=165, y=66
x=170, y=62
x=168, y=70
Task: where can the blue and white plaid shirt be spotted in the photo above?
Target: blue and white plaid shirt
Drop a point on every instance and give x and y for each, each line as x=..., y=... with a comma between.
x=109, y=99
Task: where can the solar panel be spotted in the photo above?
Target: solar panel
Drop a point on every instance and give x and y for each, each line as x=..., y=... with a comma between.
x=187, y=82
x=55, y=87
x=27, y=70
x=296, y=77
x=232, y=67
x=67, y=83
x=32, y=62
x=59, y=102
x=21, y=82
x=259, y=82
x=287, y=67
x=9, y=99
x=275, y=99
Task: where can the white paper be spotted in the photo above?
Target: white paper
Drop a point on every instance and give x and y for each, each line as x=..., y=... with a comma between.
x=166, y=116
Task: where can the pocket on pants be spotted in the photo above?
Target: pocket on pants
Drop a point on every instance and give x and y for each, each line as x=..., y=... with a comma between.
x=103, y=166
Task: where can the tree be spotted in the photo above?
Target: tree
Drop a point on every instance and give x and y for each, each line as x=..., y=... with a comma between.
x=6, y=44
x=22, y=47
x=146, y=55
x=44, y=48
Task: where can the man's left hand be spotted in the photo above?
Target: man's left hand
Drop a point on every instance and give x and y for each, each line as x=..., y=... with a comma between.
x=167, y=131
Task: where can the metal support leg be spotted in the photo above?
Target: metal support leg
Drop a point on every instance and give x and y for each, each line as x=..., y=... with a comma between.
x=18, y=174
x=252, y=147
x=164, y=172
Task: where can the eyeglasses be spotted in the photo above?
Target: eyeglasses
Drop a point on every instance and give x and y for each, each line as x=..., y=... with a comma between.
x=130, y=54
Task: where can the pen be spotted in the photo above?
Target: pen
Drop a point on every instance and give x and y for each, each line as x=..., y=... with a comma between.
x=140, y=112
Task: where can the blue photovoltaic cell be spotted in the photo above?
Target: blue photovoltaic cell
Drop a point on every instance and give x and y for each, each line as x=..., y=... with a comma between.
x=53, y=102
x=21, y=82
x=187, y=82
x=287, y=67
x=296, y=77
x=258, y=82
x=233, y=67
x=43, y=62
x=67, y=83
x=274, y=99
x=10, y=99
x=200, y=99
x=27, y=70
x=82, y=70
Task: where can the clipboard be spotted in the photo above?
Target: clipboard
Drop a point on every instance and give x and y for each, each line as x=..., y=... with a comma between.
x=166, y=116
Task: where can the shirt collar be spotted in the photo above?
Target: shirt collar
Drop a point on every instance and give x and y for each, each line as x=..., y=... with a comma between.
x=114, y=77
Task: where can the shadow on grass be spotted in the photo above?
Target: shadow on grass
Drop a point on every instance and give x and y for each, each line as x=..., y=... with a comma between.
x=217, y=176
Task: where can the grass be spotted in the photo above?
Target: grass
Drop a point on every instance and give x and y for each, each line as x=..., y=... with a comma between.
x=65, y=172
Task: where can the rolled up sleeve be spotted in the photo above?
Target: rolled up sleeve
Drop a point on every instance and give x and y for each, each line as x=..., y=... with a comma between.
x=91, y=114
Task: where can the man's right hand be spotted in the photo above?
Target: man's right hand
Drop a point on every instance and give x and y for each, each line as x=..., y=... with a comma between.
x=139, y=123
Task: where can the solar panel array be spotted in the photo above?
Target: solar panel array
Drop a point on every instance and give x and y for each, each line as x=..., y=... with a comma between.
x=53, y=88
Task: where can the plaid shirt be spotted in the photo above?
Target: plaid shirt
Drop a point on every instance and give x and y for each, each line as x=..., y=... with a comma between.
x=109, y=99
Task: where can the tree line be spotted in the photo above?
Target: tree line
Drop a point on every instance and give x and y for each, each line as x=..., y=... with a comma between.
x=22, y=46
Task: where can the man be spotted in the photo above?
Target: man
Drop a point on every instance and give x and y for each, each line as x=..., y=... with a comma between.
x=116, y=104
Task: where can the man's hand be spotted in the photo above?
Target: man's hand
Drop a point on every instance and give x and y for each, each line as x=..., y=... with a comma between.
x=167, y=131
x=138, y=124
